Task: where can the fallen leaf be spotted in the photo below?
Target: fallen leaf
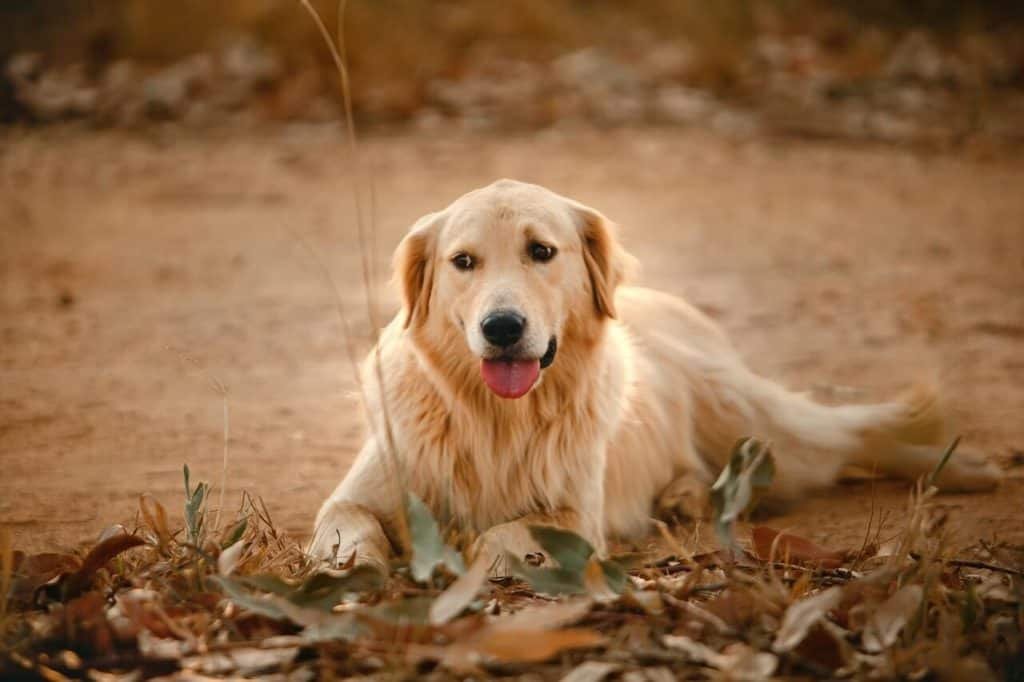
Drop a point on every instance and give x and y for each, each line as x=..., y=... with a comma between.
x=96, y=559
x=459, y=594
x=245, y=662
x=260, y=604
x=885, y=622
x=801, y=616
x=591, y=671
x=570, y=550
x=659, y=674
x=546, y=617
x=529, y=635
x=648, y=601
x=771, y=545
x=742, y=662
x=821, y=647
x=738, y=609
x=596, y=584
x=428, y=548
x=551, y=581
x=34, y=571
x=694, y=650
x=134, y=607
x=227, y=562
x=739, y=661
x=533, y=646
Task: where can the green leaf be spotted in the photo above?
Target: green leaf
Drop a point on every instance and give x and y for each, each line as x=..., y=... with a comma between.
x=567, y=548
x=236, y=533
x=411, y=611
x=553, y=581
x=341, y=626
x=194, y=513
x=428, y=548
x=267, y=583
x=746, y=477
x=321, y=590
x=615, y=575
x=238, y=594
x=324, y=590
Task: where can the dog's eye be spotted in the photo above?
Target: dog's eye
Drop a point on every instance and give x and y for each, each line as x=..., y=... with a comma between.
x=463, y=261
x=542, y=253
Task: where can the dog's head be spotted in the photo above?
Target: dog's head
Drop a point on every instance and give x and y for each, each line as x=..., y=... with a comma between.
x=515, y=270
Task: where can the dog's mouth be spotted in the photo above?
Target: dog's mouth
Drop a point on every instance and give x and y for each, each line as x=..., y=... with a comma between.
x=511, y=377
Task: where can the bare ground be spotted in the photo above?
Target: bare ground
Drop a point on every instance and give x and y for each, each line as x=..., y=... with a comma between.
x=133, y=268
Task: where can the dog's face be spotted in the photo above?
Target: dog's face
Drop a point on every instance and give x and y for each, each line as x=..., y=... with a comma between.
x=511, y=267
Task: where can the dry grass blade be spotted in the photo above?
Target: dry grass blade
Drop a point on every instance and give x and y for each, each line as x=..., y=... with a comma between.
x=155, y=516
x=942, y=463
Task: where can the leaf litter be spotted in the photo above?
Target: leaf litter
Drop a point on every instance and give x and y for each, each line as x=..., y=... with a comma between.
x=243, y=601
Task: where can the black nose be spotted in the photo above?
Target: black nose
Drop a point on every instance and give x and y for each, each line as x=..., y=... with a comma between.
x=503, y=327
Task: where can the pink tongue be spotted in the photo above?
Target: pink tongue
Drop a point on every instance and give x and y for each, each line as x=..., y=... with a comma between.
x=510, y=378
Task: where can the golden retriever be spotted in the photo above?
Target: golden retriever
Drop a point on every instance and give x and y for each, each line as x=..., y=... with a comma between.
x=522, y=384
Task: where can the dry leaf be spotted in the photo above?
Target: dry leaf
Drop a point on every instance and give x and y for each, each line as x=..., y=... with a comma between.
x=96, y=559
x=802, y=615
x=546, y=617
x=793, y=549
x=596, y=583
x=528, y=636
x=246, y=662
x=885, y=622
x=532, y=646
x=694, y=650
x=591, y=671
x=227, y=562
x=738, y=660
x=741, y=662
x=155, y=517
x=459, y=594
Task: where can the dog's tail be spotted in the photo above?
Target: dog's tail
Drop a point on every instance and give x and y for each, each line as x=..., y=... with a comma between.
x=812, y=442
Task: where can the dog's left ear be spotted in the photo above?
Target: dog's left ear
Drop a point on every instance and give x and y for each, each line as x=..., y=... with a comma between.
x=414, y=268
x=608, y=264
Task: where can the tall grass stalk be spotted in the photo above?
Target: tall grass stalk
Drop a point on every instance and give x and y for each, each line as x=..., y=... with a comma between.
x=366, y=248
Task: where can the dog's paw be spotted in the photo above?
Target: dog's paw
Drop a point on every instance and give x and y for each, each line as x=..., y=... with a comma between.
x=347, y=536
x=686, y=498
x=968, y=472
x=495, y=545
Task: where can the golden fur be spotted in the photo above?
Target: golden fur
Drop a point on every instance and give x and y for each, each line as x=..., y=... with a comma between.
x=643, y=402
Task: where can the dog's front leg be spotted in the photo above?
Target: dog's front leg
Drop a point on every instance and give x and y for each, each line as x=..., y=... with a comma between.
x=351, y=522
x=347, y=531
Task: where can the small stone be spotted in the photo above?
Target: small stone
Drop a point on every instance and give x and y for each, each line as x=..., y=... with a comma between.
x=250, y=61
x=680, y=105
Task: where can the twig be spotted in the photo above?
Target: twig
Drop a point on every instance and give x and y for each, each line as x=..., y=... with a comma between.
x=968, y=563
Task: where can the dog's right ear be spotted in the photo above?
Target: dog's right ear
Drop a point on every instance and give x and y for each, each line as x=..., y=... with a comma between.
x=414, y=268
x=608, y=264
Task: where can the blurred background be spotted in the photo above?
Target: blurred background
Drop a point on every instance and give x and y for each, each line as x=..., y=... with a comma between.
x=930, y=71
x=837, y=184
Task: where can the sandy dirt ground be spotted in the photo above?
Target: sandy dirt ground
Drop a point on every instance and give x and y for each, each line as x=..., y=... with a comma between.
x=137, y=269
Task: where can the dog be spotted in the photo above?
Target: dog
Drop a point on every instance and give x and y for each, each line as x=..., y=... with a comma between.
x=523, y=383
